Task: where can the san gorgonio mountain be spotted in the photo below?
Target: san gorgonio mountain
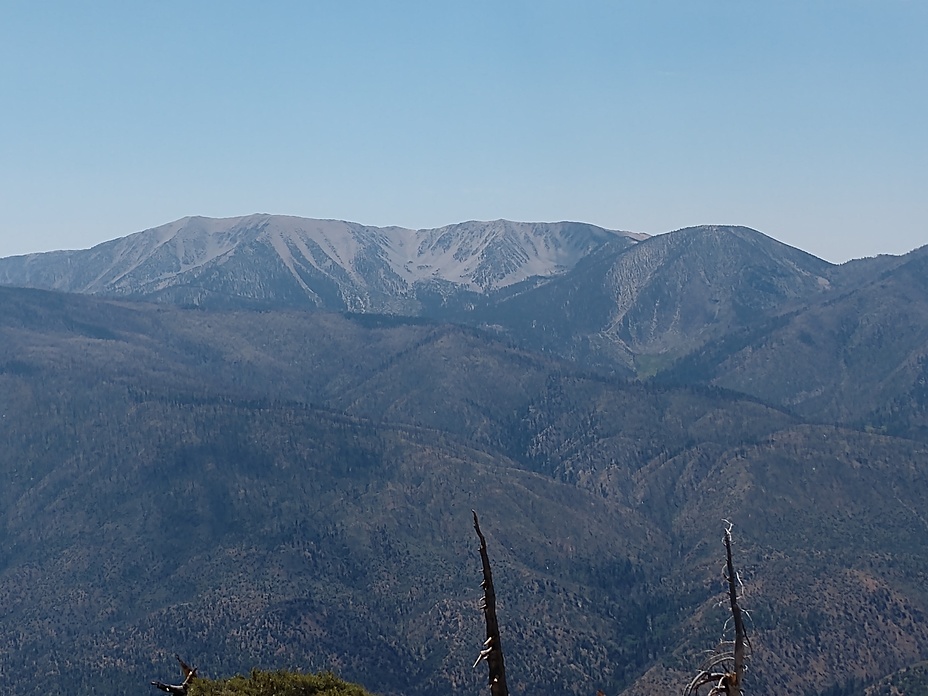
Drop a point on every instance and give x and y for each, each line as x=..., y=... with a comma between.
x=324, y=264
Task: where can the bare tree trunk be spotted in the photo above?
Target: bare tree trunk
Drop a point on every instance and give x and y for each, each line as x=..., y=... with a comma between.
x=724, y=671
x=733, y=684
x=492, y=649
x=190, y=673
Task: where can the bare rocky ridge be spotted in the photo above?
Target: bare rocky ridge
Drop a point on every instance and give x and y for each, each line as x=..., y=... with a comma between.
x=324, y=264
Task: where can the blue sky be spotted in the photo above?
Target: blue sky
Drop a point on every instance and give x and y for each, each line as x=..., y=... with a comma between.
x=805, y=119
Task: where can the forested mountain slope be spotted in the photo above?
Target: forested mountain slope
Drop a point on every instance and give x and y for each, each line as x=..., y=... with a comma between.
x=857, y=357
x=288, y=489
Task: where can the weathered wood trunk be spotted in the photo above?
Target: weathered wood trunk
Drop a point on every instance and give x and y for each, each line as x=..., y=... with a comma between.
x=724, y=671
x=492, y=649
x=733, y=683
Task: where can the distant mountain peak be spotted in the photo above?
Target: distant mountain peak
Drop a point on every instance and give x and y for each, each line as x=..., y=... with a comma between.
x=325, y=263
x=675, y=290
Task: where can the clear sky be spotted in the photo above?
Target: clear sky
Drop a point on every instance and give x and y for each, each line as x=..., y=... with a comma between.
x=805, y=119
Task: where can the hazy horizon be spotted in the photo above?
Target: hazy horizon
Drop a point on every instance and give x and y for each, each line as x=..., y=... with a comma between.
x=801, y=120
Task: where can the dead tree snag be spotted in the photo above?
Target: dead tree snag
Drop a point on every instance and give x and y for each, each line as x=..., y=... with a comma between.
x=189, y=673
x=492, y=648
x=724, y=670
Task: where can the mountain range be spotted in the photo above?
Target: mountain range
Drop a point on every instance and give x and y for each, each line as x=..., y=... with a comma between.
x=618, y=301
x=257, y=442
x=275, y=260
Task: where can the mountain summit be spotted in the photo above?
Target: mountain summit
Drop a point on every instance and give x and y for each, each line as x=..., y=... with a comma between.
x=327, y=264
